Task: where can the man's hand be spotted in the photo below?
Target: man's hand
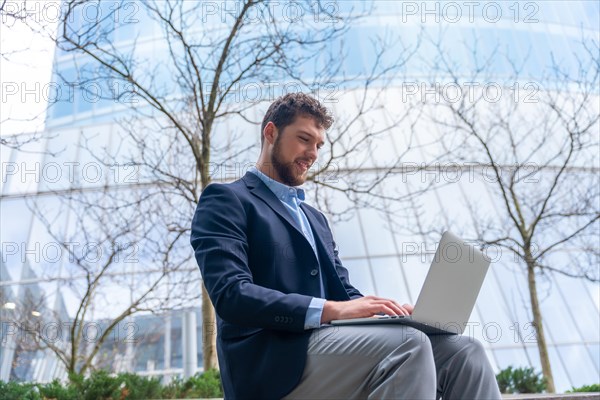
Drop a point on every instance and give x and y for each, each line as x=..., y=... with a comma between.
x=366, y=306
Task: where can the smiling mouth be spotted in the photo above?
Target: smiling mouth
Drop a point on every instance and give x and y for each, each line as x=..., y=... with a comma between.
x=304, y=165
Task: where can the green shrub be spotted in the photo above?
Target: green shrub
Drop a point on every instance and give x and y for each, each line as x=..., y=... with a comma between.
x=140, y=387
x=207, y=384
x=55, y=390
x=594, y=387
x=101, y=385
x=172, y=389
x=19, y=391
x=520, y=380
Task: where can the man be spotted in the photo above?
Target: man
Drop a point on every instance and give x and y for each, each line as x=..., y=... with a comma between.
x=272, y=271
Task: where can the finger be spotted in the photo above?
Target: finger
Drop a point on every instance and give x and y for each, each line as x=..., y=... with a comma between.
x=404, y=312
x=399, y=306
x=400, y=310
x=396, y=310
x=410, y=308
x=387, y=310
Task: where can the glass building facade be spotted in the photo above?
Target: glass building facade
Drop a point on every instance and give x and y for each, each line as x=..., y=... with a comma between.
x=384, y=246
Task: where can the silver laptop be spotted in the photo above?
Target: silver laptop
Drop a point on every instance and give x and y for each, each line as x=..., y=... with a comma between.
x=449, y=293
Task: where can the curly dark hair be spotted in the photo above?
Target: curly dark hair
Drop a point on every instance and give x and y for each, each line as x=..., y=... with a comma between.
x=284, y=110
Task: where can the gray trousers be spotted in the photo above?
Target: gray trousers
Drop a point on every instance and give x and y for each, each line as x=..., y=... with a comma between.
x=394, y=362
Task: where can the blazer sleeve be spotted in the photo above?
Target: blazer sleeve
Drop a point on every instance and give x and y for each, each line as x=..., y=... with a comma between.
x=219, y=239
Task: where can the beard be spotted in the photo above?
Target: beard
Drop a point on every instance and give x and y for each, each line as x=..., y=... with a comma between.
x=287, y=171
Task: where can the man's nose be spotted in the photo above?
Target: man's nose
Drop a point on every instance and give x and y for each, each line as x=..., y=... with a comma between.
x=313, y=151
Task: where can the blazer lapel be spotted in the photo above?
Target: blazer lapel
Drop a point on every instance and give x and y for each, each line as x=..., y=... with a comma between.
x=333, y=285
x=322, y=236
x=260, y=190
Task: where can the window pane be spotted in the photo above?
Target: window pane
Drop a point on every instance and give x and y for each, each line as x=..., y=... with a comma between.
x=348, y=238
x=360, y=276
x=16, y=222
x=579, y=363
x=376, y=232
x=7, y=166
x=511, y=357
x=28, y=169
x=47, y=234
x=60, y=163
x=562, y=378
x=388, y=278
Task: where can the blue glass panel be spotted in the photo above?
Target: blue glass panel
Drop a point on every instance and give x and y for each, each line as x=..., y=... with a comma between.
x=415, y=267
x=150, y=347
x=498, y=325
x=85, y=97
x=92, y=166
x=558, y=323
x=63, y=93
x=388, y=278
x=534, y=356
x=49, y=253
x=577, y=358
x=348, y=238
x=562, y=376
x=513, y=284
x=360, y=275
x=176, y=341
x=594, y=350
x=127, y=19
x=584, y=314
x=59, y=164
x=594, y=290
x=107, y=90
x=376, y=233
x=26, y=170
x=147, y=27
x=7, y=167
x=514, y=357
x=591, y=13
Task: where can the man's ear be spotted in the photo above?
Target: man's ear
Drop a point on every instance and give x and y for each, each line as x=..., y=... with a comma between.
x=270, y=132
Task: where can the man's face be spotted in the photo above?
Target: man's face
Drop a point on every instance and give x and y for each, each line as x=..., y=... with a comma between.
x=295, y=150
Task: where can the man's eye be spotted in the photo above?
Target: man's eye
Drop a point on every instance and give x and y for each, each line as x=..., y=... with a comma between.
x=304, y=139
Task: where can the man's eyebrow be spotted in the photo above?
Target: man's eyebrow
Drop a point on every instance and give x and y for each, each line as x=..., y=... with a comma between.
x=321, y=143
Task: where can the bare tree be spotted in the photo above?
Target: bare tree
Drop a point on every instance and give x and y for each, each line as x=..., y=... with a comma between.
x=212, y=57
x=120, y=260
x=537, y=145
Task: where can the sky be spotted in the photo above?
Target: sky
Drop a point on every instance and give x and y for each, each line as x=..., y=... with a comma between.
x=25, y=67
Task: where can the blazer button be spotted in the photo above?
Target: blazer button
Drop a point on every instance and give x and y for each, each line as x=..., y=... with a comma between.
x=314, y=272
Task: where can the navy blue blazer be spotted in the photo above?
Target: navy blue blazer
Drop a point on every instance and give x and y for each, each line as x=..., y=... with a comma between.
x=261, y=274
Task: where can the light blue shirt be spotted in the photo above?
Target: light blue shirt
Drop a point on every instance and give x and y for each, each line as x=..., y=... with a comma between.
x=291, y=198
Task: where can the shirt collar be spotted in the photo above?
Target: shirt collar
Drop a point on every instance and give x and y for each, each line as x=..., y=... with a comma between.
x=282, y=191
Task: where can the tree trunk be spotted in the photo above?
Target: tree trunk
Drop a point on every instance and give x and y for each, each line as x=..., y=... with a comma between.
x=539, y=327
x=209, y=324
x=209, y=333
